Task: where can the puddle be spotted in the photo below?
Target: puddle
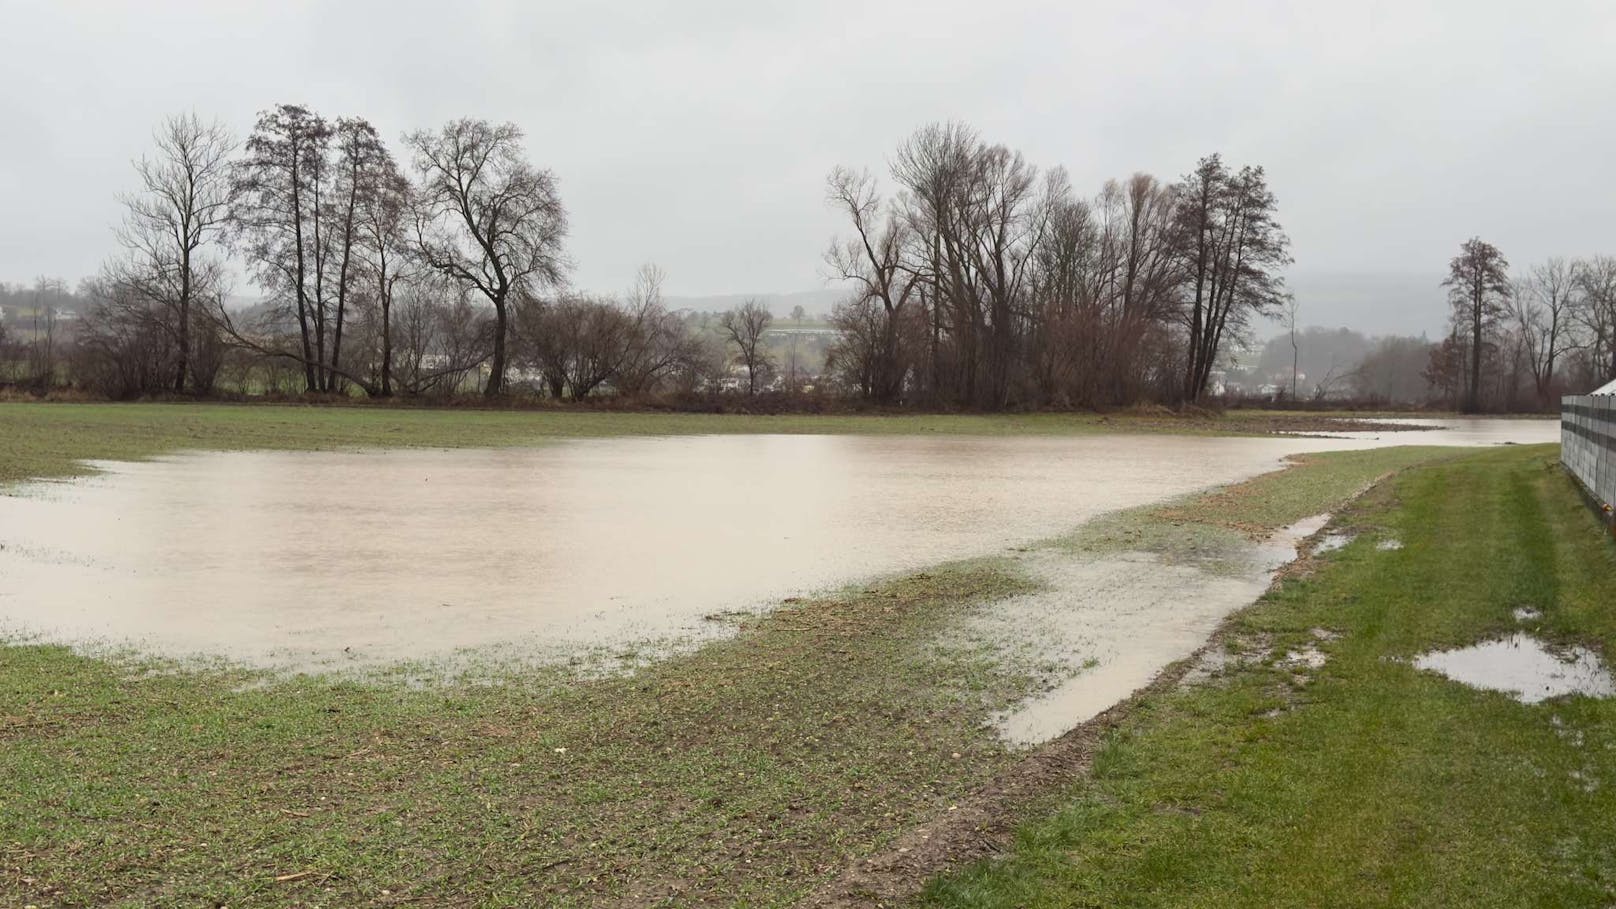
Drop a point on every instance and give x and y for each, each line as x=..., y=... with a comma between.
x=1306, y=658
x=1110, y=624
x=1330, y=542
x=1115, y=622
x=1522, y=666
x=337, y=560
x=1391, y=545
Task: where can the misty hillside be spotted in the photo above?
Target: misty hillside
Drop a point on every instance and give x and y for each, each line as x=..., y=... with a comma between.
x=1372, y=303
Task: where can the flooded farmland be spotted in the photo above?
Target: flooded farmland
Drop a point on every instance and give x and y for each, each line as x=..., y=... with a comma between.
x=318, y=560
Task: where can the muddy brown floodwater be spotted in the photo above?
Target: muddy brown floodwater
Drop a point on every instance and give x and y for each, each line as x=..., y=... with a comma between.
x=295, y=561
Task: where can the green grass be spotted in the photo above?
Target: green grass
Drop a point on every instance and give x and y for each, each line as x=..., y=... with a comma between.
x=1365, y=782
x=737, y=773
x=47, y=440
x=1214, y=529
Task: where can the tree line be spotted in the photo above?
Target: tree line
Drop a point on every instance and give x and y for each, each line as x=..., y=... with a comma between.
x=983, y=282
x=1520, y=340
x=374, y=277
x=978, y=280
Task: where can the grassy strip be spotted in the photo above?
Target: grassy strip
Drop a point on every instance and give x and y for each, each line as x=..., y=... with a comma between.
x=1364, y=782
x=1214, y=530
x=48, y=440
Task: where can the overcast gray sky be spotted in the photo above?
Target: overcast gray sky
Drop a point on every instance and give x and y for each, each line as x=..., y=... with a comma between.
x=697, y=134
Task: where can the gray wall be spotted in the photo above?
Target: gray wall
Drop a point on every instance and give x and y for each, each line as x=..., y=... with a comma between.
x=1588, y=442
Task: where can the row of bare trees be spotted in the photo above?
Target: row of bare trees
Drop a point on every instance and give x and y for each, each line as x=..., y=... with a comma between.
x=337, y=238
x=984, y=283
x=1519, y=340
x=373, y=278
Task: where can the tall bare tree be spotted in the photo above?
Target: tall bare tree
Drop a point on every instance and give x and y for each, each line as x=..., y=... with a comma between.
x=1234, y=247
x=363, y=169
x=873, y=261
x=169, y=222
x=1296, y=349
x=744, y=327
x=934, y=169
x=1541, y=308
x=278, y=213
x=383, y=218
x=1596, y=312
x=1478, y=291
x=488, y=218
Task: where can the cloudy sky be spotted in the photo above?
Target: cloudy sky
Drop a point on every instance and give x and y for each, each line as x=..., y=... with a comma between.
x=697, y=134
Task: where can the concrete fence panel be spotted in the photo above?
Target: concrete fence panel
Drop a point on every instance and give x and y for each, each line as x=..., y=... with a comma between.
x=1588, y=444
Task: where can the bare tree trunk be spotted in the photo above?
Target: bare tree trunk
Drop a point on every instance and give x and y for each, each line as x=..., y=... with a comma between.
x=496, y=366
x=184, y=315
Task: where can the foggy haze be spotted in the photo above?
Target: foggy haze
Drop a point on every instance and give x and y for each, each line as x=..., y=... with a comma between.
x=698, y=135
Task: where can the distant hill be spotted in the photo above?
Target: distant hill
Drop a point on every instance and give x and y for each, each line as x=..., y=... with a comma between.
x=1372, y=303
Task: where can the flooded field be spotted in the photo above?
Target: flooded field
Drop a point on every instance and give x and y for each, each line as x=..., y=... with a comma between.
x=310, y=560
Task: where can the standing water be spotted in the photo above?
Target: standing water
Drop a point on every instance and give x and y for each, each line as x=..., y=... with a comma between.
x=309, y=560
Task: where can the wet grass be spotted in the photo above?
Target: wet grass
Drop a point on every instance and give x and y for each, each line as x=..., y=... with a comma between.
x=1214, y=530
x=738, y=774
x=49, y=439
x=1363, y=782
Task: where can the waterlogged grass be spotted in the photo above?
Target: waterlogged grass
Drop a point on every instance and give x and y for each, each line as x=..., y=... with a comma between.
x=48, y=440
x=734, y=775
x=1363, y=782
x=1214, y=530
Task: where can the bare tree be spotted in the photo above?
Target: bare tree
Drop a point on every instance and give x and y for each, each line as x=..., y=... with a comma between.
x=178, y=211
x=42, y=352
x=277, y=216
x=1541, y=307
x=382, y=201
x=1234, y=247
x=488, y=219
x=660, y=343
x=1296, y=349
x=577, y=343
x=1596, y=312
x=744, y=327
x=363, y=170
x=1478, y=291
x=873, y=261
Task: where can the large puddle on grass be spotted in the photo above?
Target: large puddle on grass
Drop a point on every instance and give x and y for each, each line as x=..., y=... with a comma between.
x=1106, y=625
x=1521, y=665
x=317, y=560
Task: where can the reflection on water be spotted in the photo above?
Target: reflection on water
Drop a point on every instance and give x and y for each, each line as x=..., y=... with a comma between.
x=311, y=559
